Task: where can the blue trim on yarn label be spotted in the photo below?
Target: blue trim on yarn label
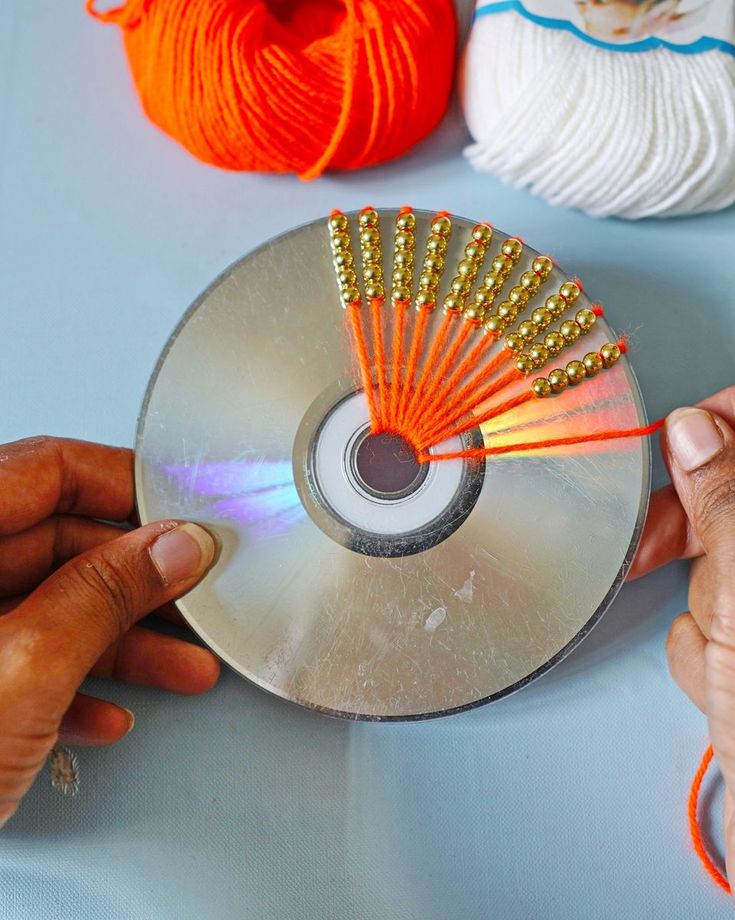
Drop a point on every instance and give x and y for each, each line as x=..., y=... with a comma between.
x=684, y=26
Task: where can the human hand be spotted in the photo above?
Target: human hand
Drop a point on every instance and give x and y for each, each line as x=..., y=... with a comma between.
x=695, y=518
x=71, y=588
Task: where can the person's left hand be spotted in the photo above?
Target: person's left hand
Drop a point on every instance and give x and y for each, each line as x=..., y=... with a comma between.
x=55, y=499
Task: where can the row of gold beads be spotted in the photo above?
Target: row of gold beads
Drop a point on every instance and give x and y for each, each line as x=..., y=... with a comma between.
x=404, y=248
x=344, y=261
x=518, y=296
x=576, y=371
x=533, y=355
x=372, y=254
x=434, y=261
x=467, y=269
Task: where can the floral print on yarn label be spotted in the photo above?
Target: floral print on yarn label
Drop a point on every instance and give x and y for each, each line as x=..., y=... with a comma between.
x=685, y=26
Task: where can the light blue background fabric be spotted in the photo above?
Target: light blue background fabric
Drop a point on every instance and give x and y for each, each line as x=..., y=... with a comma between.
x=566, y=800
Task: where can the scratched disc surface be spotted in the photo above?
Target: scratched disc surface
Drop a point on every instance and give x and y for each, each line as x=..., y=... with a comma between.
x=459, y=587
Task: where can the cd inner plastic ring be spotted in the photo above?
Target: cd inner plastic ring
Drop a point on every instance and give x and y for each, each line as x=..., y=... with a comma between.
x=332, y=458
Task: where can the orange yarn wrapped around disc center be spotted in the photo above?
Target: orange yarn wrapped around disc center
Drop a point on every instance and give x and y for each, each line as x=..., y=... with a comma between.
x=279, y=86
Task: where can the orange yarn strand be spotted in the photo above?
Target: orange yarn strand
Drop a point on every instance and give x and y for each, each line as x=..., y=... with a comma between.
x=363, y=360
x=437, y=345
x=694, y=828
x=500, y=409
x=460, y=372
x=477, y=453
x=376, y=312
x=412, y=363
x=399, y=323
x=273, y=86
x=440, y=373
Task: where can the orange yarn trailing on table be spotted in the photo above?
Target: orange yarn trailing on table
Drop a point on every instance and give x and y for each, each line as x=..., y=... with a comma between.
x=283, y=86
x=694, y=827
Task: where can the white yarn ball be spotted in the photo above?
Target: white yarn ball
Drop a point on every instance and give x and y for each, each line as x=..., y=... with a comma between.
x=612, y=133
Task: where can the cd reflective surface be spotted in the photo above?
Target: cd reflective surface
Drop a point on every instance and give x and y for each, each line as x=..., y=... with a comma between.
x=252, y=426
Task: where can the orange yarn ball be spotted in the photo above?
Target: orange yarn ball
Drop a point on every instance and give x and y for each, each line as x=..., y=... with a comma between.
x=284, y=86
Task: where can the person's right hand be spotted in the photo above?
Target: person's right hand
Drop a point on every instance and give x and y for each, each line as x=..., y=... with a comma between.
x=695, y=517
x=71, y=588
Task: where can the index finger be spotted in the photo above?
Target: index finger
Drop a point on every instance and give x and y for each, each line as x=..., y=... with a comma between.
x=43, y=476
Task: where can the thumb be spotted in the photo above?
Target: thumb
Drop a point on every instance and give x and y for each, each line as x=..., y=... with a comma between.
x=701, y=449
x=49, y=643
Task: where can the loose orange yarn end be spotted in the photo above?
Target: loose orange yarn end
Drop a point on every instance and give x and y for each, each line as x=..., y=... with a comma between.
x=478, y=453
x=695, y=829
x=303, y=87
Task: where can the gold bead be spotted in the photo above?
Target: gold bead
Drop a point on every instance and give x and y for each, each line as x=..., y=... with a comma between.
x=512, y=248
x=519, y=296
x=502, y=265
x=474, y=251
x=368, y=217
x=400, y=293
x=441, y=225
x=541, y=387
x=610, y=354
x=570, y=330
x=453, y=304
x=401, y=276
x=350, y=294
x=344, y=259
x=514, y=342
x=406, y=221
x=370, y=255
x=554, y=341
x=429, y=280
x=585, y=319
x=483, y=233
x=539, y=354
x=403, y=258
x=369, y=236
x=337, y=222
x=524, y=364
x=372, y=273
x=575, y=372
x=467, y=267
x=346, y=277
x=528, y=330
x=494, y=325
x=530, y=282
x=340, y=241
x=542, y=266
x=405, y=240
x=460, y=286
x=570, y=291
x=375, y=290
x=493, y=281
x=556, y=304
x=434, y=263
x=558, y=380
x=436, y=244
x=542, y=317
x=507, y=310
x=475, y=313
x=425, y=299
x=592, y=363
x=483, y=296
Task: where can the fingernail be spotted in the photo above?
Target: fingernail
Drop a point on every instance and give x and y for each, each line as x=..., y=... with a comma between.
x=131, y=720
x=182, y=553
x=693, y=437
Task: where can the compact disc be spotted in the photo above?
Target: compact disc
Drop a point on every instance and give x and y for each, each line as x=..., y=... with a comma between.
x=352, y=579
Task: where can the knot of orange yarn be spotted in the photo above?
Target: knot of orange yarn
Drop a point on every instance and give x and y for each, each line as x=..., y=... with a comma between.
x=280, y=86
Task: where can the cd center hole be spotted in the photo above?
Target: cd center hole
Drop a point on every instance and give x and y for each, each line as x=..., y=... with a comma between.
x=387, y=464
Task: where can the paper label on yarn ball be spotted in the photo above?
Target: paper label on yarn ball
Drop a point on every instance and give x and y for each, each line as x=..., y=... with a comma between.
x=685, y=26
